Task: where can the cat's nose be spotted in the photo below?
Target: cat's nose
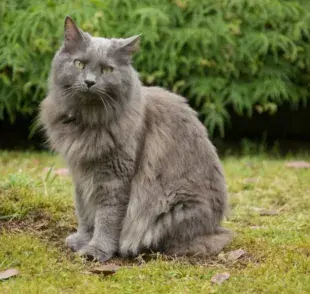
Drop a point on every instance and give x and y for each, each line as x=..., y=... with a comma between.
x=89, y=83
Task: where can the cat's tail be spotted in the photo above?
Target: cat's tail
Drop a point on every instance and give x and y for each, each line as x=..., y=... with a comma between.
x=202, y=245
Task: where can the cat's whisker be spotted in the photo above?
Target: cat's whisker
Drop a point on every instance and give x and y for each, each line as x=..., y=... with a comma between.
x=67, y=91
x=110, y=97
x=103, y=95
x=73, y=93
x=105, y=107
x=110, y=101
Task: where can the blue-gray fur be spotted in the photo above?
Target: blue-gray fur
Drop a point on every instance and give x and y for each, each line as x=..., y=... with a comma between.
x=146, y=175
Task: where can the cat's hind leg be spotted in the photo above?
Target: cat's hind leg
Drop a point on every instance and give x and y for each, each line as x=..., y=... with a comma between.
x=207, y=245
x=188, y=222
x=187, y=230
x=141, y=213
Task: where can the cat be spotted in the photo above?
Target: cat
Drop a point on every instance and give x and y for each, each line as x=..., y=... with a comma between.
x=146, y=176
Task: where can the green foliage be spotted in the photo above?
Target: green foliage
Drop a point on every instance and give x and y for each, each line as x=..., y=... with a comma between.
x=248, y=55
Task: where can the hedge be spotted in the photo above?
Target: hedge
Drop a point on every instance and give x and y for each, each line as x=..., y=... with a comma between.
x=245, y=55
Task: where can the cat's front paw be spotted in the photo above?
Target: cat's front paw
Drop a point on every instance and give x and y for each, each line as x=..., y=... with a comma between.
x=77, y=241
x=94, y=253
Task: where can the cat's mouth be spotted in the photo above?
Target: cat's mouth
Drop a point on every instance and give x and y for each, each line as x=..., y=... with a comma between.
x=91, y=95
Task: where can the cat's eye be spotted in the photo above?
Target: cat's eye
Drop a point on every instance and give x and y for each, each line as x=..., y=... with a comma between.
x=107, y=70
x=79, y=64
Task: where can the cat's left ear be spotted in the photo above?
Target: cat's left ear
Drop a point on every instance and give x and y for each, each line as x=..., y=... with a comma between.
x=73, y=36
x=127, y=47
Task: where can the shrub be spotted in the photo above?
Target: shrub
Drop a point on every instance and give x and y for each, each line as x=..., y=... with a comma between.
x=248, y=55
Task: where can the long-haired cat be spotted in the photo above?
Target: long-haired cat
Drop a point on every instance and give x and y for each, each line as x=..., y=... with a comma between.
x=146, y=176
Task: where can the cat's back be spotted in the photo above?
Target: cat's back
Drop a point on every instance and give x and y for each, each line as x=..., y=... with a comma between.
x=171, y=114
x=174, y=132
x=166, y=108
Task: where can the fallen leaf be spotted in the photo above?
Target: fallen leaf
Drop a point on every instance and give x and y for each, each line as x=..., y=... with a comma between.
x=236, y=254
x=258, y=227
x=268, y=212
x=9, y=273
x=257, y=208
x=105, y=269
x=251, y=180
x=264, y=211
x=298, y=164
x=220, y=278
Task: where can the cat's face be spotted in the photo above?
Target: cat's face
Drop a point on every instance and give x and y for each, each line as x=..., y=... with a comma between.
x=88, y=68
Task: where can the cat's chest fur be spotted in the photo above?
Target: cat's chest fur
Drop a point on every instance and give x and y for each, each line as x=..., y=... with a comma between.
x=101, y=168
x=95, y=151
x=102, y=158
x=84, y=138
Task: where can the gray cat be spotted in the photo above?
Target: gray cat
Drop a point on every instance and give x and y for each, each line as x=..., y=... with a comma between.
x=146, y=176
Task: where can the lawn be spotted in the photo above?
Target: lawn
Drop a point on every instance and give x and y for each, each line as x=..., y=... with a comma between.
x=270, y=214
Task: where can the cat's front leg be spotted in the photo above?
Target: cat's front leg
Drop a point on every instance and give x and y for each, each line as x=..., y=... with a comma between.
x=104, y=243
x=78, y=239
x=84, y=232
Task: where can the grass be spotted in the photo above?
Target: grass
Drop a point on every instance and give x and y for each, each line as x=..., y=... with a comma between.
x=36, y=213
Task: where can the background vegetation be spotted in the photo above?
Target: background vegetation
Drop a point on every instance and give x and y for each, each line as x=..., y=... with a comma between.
x=245, y=55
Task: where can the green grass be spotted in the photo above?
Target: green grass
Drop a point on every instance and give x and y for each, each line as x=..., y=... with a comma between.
x=36, y=213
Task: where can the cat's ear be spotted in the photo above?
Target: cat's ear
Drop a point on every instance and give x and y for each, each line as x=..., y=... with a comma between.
x=73, y=35
x=130, y=45
x=127, y=47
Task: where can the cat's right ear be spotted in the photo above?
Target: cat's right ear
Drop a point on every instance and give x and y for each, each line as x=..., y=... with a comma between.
x=73, y=36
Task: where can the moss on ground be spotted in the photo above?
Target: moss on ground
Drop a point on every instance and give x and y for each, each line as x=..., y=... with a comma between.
x=36, y=213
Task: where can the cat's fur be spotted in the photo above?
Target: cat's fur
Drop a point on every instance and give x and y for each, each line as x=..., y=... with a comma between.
x=146, y=175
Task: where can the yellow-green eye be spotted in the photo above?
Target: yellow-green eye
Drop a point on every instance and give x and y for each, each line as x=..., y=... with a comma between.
x=79, y=64
x=107, y=70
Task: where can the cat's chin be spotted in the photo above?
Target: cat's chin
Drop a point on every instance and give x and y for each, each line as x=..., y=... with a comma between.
x=89, y=98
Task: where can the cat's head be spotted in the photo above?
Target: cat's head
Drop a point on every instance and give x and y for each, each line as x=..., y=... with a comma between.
x=90, y=68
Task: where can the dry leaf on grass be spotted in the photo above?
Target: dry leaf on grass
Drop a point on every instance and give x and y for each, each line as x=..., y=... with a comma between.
x=258, y=227
x=9, y=273
x=251, y=180
x=265, y=212
x=236, y=254
x=268, y=212
x=220, y=278
x=298, y=164
x=258, y=209
x=106, y=270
